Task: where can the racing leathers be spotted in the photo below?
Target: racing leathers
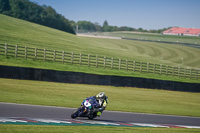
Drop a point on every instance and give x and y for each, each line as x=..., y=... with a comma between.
x=102, y=104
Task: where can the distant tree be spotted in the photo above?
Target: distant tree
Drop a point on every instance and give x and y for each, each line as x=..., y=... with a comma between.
x=98, y=26
x=125, y=28
x=86, y=26
x=105, y=23
x=4, y=6
x=106, y=27
x=140, y=29
x=44, y=15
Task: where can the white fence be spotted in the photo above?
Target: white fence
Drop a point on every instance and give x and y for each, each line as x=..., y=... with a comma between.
x=96, y=61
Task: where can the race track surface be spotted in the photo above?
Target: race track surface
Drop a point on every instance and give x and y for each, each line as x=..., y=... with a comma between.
x=9, y=110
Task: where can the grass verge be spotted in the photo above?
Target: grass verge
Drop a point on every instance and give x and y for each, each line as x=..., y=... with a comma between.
x=10, y=61
x=120, y=98
x=83, y=129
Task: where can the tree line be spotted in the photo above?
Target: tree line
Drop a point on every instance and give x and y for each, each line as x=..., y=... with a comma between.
x=87, y=26
x=47, y=16
x=30, y=11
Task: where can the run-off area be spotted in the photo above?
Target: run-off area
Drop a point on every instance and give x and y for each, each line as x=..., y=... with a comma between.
x=76, y=122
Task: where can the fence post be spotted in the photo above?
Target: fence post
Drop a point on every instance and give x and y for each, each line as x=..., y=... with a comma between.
x=16, y=48
x=97, y=61
x=167, y=70
x=184, y=72
x=190, y=73
x=88, y=60
x=147, y=67
x=25, y=52
x=104, y=64
x=80, y=61
x=111, y=63
x=140, y=66
x=154, y=68
x=35, y=53
x=54, y=55
x=197, y=74
x=44, y=54
x=6, y=49
x=119, y=63
x=126, y=64
x=173, y=71
x=63, y=56
x=160, y=68
x=133, y=66
x=72, y=58
x=179, y=72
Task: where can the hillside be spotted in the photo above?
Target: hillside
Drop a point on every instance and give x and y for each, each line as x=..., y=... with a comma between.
x=32, y=12
x=19, y=32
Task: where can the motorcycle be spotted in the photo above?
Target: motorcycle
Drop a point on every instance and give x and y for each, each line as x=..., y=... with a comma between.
x=87, y=109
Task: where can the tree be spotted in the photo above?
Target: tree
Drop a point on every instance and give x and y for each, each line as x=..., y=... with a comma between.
x=98, y=26
x=140, y=29
x=4, y=6
x=105, y=23
x=86, y=26
x=106, y=27
x=44, y=15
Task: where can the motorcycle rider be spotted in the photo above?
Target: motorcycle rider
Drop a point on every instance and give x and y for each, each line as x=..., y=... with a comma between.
x=102, y=99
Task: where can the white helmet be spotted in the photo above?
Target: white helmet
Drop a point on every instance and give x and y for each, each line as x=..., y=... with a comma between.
x=101, y=95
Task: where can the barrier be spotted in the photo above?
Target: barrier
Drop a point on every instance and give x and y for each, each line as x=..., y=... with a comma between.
x=85, y=78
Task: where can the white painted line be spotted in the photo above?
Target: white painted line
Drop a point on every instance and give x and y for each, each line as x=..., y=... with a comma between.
x=50, y=121
x=148, y=125
x=188, y=126
x=11, y=120
x=98, y=122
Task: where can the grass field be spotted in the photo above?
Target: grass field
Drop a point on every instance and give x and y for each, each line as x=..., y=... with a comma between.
x=23, y=33
x=19, y=32
x=120, y=98
x=152, y=37
x=83, y=129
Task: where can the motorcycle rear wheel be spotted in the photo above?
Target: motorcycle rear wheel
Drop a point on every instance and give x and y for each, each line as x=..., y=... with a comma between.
x=91, y=117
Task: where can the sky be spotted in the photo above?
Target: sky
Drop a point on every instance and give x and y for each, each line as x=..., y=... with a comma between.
x=146, y=14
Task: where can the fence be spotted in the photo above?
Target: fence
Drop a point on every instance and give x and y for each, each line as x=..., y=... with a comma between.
x=97, y=61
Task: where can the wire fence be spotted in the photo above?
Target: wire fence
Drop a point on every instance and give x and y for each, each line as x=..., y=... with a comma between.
x=96, y=61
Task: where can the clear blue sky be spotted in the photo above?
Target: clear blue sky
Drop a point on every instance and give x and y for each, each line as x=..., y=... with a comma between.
x=146, y=14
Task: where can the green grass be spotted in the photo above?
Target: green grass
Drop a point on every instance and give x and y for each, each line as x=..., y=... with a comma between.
x=120, y=98
x=19, y=32
x=83, y=129
x=20, y=62
x=153, y=37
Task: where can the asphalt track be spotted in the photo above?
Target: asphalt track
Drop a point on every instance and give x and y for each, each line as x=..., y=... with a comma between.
x=8, y=110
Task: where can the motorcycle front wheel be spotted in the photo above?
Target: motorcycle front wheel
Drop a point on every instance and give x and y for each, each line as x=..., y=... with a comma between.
x=75, y=114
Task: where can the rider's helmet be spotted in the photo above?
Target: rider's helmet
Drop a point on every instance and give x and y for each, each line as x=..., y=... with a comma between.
x=101, y=96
